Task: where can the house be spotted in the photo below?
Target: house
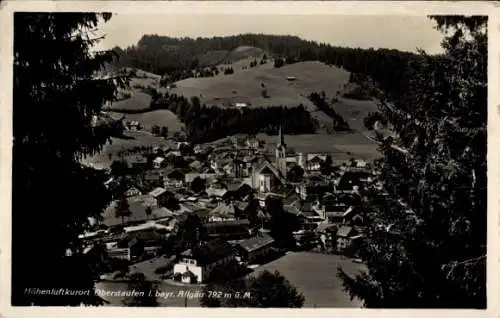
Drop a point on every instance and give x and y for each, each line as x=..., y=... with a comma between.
x=240, y=105
x=252, y=143
x=216, y=188
x=303, y=211
x=229, y=230
x=224, y=212
x=291, y=78
x=338, y=213
x=255, y=248
x=197, y=149
x=133, y=125
x=157, y=162
x=132, y=192
x=175, y=178
x=137, y=162
x=159, y=195
x=351, y=181
x=236, y=190
x=195, y=265
x=196, y=165
x=314, y=164
x=346, y=236
x=157, y=192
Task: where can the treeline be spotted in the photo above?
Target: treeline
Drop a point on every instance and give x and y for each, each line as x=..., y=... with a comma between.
x=205, y=124
x=319, y=100
x=166, y=55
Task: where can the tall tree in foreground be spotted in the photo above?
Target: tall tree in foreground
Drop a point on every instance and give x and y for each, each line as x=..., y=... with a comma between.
x=122, y=209
x=432, y=251
x=266, y=290
x=56, y=96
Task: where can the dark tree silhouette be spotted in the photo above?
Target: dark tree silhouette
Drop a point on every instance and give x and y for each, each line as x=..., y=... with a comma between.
x=122, y=209
x=56, y=95
x=198, y=184
x=148, y=210
x=164, y=132
x=434, y=257
x=266, y=290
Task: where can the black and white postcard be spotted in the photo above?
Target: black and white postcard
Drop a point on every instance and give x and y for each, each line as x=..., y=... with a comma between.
x=248, y=155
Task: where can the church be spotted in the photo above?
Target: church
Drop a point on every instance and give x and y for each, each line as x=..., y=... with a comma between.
x=267, y=176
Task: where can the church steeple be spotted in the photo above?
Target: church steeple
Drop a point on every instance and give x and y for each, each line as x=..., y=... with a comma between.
x=282, y=137
x=281, y=153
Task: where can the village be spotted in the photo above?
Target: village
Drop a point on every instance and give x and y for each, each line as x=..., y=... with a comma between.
x=227, y=199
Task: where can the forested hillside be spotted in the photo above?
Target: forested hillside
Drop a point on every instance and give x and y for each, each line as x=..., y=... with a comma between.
x=162, y=55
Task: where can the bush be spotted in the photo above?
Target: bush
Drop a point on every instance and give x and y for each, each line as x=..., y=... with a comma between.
x=178, y=277
x=279, y=62
x=163, y=269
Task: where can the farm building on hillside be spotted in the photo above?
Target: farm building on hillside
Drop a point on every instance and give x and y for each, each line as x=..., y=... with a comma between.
x=291, y=78
x=240, y=105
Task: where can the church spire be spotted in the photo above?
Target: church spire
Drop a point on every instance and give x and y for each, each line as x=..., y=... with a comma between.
x=282, y=137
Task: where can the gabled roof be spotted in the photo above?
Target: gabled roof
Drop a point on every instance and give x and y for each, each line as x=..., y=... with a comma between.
x=324, y=227
x=345, y=231
x=256, y=242
x=225, y=210
x=159, y=160
x=209, y=252
x=242, y=222
x=268, y=165
x=291, y=209
x=157, y=192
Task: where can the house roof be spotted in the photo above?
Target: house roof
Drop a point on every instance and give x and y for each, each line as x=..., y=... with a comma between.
x=291, y=209
x=159, y=160
x=234, y=185
x=225, y=210
x=345, y=231
x=256, y=242
x=267, y=164
x=131, y=190
x=323, y=227
x=176, y=174
x=196, y=164
x=242, y=222
x=157, y=192
x=316, y=159
x=136, y=159
x=291, y=199
x=216, y=192
x=210, y=252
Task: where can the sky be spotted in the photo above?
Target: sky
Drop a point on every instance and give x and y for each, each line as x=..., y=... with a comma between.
x=406, y=33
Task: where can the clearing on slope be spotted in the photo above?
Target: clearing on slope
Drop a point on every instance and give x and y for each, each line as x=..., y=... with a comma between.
x=248, y=85
x=311, y=77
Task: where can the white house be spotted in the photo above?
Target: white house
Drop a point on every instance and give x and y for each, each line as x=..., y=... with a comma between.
x=195, y=265
x=157, y=162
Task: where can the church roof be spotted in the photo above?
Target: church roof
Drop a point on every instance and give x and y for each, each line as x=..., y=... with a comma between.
x=272, y=168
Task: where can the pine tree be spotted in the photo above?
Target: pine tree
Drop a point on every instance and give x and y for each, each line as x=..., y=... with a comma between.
x=56, y=96
x=426, y=247
x=122, y=209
